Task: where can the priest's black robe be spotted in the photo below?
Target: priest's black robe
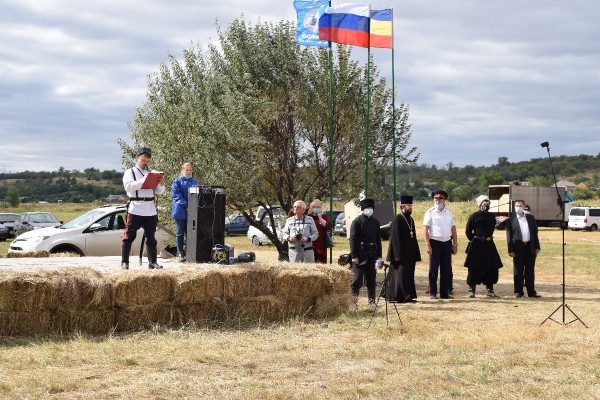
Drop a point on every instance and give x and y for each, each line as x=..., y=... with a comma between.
x=483, y=260
x=403, y=254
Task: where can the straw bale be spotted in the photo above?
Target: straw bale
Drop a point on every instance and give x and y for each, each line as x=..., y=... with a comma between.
x=297, y=306
x=247, y=281
x=29, y=254
x=80, y=289
x=265, y=308
x=17, y=323
x=339, y=277
x=25, y=293
x=332, y=304
x=306, y=282
x=195, y=286
x=134, y=288
x=148, y=316
x=205, y=313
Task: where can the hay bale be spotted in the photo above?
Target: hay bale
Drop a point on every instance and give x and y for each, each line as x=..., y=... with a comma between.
x=205, y=313
x=17, y=323
x=247, y=281
x=136, y=288
x=196, y=286
x=148, y=316
x=263, y=308
x=25, y=293
x=29, y=254
x=307, y=282
x=339, y=277
x=331, y=305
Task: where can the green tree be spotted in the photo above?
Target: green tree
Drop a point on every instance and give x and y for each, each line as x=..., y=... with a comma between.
x=489, y=178
x=12, y=196
x=541, y=181
x=252, y=115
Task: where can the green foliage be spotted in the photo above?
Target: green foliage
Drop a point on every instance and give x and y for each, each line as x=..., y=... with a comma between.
x=541, y=181
x=12, y=196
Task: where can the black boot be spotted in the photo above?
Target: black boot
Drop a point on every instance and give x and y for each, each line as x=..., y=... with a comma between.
x=152, y=255
x=125, y=250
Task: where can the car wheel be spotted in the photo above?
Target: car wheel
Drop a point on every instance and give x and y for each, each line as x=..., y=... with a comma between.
x=67, y=249
x=594, y=227
x=255, y=240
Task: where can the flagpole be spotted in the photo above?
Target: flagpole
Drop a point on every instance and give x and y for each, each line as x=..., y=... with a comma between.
x=368, y=116
x=395, y=196
x=331, y=146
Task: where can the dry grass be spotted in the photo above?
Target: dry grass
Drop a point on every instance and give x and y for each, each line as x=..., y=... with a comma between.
x=460, y=348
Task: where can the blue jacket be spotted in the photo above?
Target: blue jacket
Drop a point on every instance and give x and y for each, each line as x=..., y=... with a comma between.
x=179, y=192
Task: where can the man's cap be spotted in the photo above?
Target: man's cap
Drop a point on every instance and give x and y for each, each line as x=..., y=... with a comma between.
x=439, y=193
x=406, y=200
x=143, y=150
x=481, y=199
x=366, y=203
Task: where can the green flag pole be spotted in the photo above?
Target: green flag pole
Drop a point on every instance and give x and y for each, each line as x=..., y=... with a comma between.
x=394, y=118
x=368, y=121
x=331, y=146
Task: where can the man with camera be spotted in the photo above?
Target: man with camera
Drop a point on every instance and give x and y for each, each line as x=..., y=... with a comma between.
x=300, y=232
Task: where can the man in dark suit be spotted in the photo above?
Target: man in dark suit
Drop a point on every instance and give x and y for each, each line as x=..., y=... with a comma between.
x=523, y=247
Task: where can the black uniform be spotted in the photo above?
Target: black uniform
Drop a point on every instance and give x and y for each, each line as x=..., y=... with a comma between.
x=365, y=244
x=403, y=254
x=483, y=260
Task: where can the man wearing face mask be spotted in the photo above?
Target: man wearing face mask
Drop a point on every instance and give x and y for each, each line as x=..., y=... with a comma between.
x=523, y=246
x=403, y=254
x=365, y=249
x=483, y=260
x=439, y=231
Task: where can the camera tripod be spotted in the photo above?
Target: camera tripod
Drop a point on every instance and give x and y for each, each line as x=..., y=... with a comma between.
x=385, y=293
x=563, y=305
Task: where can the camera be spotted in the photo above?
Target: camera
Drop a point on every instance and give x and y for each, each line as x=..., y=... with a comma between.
x=298, y=236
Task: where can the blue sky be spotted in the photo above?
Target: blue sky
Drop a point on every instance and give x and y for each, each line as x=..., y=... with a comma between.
x=483, y=79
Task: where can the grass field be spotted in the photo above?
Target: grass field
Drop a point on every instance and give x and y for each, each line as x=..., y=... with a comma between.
x=460, y=348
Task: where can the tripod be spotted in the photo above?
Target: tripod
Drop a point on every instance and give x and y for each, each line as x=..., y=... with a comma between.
x=561, y=204
x=384, y=292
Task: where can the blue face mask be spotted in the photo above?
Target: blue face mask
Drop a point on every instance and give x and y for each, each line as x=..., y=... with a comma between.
x=316, y=210
x=439, y=206
x=518, y=210
x=368, y=212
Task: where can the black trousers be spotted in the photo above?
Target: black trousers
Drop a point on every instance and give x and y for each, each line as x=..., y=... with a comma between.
x=523, y=267
x=440, y=262
x=360, y=273
x=135, y=222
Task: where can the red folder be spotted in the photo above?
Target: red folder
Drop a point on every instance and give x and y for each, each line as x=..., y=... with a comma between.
x=152, y=179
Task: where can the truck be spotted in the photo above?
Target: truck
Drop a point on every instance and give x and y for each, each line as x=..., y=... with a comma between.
x=543, y=200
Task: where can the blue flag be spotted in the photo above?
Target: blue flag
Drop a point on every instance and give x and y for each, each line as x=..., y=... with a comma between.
x=307, y=28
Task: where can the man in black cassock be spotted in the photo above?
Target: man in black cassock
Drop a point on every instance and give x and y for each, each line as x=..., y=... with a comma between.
x=403, y=254
x=483, y=260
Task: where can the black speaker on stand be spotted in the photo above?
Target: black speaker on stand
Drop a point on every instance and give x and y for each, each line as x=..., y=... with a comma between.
x=206, y=222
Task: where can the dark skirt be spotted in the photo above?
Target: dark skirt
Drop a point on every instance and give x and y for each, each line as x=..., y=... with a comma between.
x=401, y=283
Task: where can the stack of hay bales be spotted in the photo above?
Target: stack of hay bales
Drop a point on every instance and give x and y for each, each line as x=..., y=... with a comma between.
x=84, y=300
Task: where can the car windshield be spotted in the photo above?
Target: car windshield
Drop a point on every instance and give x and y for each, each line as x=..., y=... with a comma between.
x=84, y=219
x=43, y=218
x=8, y=217
x=578, y=212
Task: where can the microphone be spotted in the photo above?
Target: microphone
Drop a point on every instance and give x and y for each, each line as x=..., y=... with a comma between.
x=545, y=144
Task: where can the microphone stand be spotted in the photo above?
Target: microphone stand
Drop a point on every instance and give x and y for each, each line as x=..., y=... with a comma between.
x=561, y=204
x=384, y=292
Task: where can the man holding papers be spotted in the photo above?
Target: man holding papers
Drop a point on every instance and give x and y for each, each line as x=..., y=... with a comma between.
x=141, y=185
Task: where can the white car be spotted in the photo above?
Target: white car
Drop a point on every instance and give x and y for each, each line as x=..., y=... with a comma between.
x=97, y=232
x=258, y=238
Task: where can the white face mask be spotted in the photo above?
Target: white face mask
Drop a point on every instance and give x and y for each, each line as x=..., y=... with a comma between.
x=439, y=206
x=316, y=210
x=368, y=212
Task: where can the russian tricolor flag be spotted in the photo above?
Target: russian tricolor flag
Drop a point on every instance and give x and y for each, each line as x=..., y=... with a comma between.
x=382, y=29
x=346, y=24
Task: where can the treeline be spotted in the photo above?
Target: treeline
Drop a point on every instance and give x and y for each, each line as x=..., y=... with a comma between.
x=71, y=186
x=465, y=183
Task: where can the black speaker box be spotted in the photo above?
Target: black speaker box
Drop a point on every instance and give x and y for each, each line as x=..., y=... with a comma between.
x=206, y=223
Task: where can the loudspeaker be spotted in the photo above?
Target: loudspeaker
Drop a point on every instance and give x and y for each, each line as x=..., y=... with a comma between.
x=206, y=222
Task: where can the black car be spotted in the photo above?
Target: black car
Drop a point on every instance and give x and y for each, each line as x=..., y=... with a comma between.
x=8, y=220
x=3, y=233
x=236, y=225
x=33, y=220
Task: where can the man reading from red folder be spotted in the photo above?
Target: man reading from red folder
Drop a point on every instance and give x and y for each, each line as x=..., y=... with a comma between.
x=141, y=210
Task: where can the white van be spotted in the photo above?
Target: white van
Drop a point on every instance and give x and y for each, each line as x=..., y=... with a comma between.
x=584, y=218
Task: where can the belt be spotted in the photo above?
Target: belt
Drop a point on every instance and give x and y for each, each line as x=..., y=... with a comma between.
x=141, y=198
x=484, y=238
x=302, y=248
x=367, y=244
x=525, y=243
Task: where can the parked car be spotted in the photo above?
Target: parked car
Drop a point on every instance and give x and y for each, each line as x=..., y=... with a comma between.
x=584, y=218
x=4, y=234
x=8, y=220
x=339, y=227
x=97, y=232
x=258, y=238
x=34, y=220
x=236, y=225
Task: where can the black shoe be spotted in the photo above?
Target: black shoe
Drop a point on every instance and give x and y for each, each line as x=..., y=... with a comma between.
x=154, y=266
x=372, y=302
x=432, y=296
x=447, y=297
x=519, y=295
x=124, y=265
x=490, y=293
x=471, y=293
x=451, y=292
x=181, y=257
x=536, y=296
